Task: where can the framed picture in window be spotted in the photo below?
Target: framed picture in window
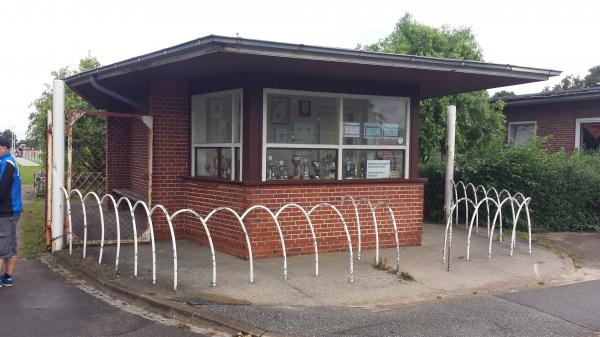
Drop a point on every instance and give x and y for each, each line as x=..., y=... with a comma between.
x=280, y=110
x=304, y=108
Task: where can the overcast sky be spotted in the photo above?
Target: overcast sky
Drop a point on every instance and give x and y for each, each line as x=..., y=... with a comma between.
x=37, y=37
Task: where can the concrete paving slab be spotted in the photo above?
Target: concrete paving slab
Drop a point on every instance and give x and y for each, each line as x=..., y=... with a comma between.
x=585, y=244
x=371, y=288
x=577, y=303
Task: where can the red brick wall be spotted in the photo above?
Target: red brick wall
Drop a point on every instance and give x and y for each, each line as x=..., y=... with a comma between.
x=168, y=103
x=138, y=157
x=117, y=153
x=555, y=119
x=406, y=200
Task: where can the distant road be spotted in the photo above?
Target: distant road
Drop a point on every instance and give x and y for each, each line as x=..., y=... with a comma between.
x=26, y=162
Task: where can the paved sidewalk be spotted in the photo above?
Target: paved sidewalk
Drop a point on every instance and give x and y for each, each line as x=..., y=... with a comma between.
x=371, y=288
x=43, y=304
x=585, y=244
x=26, y=162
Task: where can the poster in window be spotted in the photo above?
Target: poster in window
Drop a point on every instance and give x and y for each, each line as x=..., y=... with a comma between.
x=352, y=129
x=390, y=131
x=280, y=110
x=372, y=130
x=378, y=169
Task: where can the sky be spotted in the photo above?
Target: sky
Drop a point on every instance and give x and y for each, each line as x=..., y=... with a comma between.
x=37, y=37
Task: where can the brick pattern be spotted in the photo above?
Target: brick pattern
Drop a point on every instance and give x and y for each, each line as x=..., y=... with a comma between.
x=138, y=157
x=406, y=200
x=169, y=104
x=555, y=119
x=117, y=153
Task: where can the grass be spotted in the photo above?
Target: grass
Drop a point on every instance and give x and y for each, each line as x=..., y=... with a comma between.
x=383, y=266
x=27, y=174
x=561, y=251
x=33, y=239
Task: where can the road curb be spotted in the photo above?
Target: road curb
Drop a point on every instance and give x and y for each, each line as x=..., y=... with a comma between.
x=178, y=311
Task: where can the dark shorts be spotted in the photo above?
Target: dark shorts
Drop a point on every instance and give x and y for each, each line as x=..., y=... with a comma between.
x=8, y=236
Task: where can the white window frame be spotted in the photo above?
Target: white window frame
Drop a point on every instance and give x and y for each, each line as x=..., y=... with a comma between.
x=578, y=123
x=233, y=145
x=510, y=138
x=339, y=147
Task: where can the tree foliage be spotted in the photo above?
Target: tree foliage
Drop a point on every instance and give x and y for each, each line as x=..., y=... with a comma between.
x=503, y=94
x=7, y=133
x=478, y=121
x=591, y=80
x=93, y=127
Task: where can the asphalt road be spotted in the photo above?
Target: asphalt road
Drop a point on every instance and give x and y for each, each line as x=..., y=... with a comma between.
x=566, y=311
x=42, y=303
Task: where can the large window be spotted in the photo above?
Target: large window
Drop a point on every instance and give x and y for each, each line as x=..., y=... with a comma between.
x=521, y=133
x=216, y=134
x=309, y=135
x=587, y=134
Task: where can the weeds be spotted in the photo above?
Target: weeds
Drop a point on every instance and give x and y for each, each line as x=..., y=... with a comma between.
x=382, y=265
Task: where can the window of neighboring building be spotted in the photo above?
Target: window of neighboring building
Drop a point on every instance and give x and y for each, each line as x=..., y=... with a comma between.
x=587, y=135
x=521, y=133
x=311, y=135
x=216, y=134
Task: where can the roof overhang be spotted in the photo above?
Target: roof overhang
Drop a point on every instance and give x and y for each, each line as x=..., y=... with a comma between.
x=214, y=56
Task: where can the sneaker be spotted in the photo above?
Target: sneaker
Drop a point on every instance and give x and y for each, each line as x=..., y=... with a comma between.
x=6, y=280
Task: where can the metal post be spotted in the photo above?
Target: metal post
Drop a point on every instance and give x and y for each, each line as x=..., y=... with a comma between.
x=58, y=162
x=48, y=177
x=451, y=125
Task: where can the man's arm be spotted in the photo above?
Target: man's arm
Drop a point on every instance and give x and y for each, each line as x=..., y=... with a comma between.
x=7, y=179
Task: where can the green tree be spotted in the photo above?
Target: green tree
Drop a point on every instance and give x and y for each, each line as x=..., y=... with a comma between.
x=8, y=134
x=592, y=79
x=503, y=94
x=479, y=122
x=43, y=104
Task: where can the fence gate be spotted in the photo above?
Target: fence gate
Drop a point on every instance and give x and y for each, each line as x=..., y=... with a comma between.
x=87, y=173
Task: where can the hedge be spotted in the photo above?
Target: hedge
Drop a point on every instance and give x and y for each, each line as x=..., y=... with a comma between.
x=564, y=188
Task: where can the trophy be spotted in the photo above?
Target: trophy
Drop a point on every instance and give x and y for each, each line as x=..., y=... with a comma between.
x=348, y=169
x=332, y=170
x=282, y=170
x=305, y=166
x=316, y=165
x=296, y=160
x=271, y=167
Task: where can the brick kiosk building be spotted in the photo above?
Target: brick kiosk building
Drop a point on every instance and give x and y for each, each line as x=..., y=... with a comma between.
x=240, y=122
x=571, y=117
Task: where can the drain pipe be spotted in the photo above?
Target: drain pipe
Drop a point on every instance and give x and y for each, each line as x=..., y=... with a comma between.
x=116, y=95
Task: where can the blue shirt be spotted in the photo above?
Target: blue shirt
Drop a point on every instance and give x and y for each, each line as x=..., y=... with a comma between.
x=10, y=186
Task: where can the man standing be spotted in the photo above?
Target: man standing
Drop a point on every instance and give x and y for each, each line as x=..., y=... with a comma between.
x=10, y=210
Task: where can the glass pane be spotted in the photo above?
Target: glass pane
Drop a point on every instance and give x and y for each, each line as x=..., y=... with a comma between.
x=522, y=133
x=213, y=162
x=295, y=119
x=237, y=116
x=301, y=164
x=374, y=122
x=373, y=164
x=590, y=137
x=212, y=119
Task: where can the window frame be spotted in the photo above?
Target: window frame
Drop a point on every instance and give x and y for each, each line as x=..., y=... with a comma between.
x=340, y=146
x=516, y=123
x=578, y=123
x=232, y=145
